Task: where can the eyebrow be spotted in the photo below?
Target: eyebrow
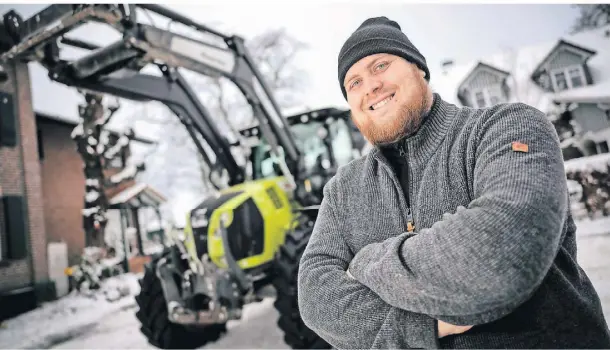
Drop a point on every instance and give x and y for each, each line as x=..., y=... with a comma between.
x=368, y=66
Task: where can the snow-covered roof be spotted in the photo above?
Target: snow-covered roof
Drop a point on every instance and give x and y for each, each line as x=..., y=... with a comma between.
x=596, y=93
x=52, y=98
x=521, y=63
x=71, y=122
x=597, y=162
x=141, y=192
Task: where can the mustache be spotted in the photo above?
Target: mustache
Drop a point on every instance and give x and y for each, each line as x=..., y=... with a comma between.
x=370, y=100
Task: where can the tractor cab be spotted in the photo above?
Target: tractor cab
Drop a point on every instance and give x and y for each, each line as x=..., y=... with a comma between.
x=327, y=140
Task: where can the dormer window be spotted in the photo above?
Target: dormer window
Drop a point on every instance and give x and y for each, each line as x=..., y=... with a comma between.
x=481, y=98
x=569, y=77
x=486, y=97
x=564, y=67
x=484, y=86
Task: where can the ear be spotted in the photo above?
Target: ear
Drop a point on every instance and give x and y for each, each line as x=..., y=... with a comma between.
x=419, y=70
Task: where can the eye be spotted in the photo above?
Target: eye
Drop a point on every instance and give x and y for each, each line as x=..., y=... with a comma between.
x=381, y=66
x=353, y=83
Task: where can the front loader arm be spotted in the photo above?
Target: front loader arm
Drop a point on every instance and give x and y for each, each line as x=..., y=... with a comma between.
x=241, y=69
x=176, y=94
x=38, y=38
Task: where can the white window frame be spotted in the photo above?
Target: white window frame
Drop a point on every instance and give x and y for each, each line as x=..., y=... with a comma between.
x=486, y=96
x=565, y=70
x=599, y=148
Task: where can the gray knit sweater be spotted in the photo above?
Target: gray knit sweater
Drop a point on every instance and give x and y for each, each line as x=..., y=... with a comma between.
x=493, y=245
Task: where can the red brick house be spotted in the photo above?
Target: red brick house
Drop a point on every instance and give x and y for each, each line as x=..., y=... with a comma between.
x=41, y=194
x=23, y=241
x=63, y=182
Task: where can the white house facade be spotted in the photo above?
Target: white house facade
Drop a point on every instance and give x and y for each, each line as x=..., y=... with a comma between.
x=570, y=74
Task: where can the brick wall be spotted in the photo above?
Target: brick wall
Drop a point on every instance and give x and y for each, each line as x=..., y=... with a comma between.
x=20, y=175
x=52, y=187
x=64, y=186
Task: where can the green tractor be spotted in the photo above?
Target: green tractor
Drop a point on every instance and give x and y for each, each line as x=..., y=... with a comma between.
x=245, y=242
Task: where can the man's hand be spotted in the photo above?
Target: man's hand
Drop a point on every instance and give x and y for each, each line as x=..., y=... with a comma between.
x=445, y=329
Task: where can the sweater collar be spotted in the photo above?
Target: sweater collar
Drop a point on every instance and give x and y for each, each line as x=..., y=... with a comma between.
x=422, y=144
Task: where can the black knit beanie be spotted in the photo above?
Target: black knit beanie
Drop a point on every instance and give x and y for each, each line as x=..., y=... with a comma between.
x=378, y=35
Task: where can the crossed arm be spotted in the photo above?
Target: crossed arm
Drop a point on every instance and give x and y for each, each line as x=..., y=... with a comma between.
x=343, y=311
x=472, y=267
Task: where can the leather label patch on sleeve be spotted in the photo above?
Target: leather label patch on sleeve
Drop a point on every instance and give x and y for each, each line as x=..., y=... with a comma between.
x=520, y=147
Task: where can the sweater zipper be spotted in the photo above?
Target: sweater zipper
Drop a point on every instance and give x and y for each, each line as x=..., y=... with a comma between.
x=410, y=221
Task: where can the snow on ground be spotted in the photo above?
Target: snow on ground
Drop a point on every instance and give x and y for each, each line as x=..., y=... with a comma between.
x=77, y=322
x=256, y=330
x=599, y=226
x=593, y=255
x=55, y=322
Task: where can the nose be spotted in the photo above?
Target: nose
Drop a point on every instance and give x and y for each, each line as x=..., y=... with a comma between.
x=375, y=85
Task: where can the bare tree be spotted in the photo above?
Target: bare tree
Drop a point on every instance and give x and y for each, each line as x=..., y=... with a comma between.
x=522, y=89
x=98, y=152
x=275, y=53
x=591, y=16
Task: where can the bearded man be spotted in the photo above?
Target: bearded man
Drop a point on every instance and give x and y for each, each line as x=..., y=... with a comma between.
x=454, y=231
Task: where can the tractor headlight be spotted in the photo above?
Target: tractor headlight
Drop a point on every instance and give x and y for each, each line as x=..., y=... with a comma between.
x=224, y=221
x=217, y=233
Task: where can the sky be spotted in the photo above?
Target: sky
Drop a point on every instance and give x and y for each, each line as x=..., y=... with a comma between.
x=440, y=31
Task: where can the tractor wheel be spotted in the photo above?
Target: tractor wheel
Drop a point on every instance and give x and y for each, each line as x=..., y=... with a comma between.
x=296, y=334
x=153, y=317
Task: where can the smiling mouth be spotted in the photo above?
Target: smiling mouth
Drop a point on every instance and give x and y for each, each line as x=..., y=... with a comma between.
x=381, y=103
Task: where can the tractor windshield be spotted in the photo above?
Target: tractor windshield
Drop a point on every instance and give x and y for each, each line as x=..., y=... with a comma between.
x=323, y=145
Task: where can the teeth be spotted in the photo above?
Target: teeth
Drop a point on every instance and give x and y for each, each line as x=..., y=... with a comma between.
x=381, y=103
